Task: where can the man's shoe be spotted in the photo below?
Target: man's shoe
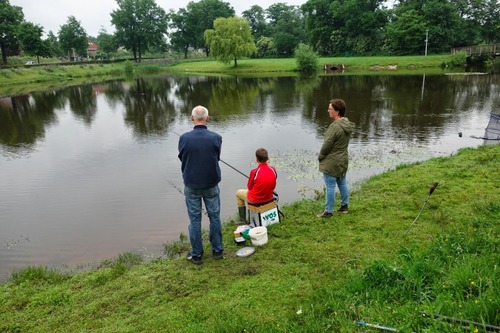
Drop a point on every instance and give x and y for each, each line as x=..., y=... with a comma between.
x=195, y=259
x=344, y=209
x=218, y=255
x=325, y=215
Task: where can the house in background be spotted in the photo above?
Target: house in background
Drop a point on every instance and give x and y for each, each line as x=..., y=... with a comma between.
x=91, y=48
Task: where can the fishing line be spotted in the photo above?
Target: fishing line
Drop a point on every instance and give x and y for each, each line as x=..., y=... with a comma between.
x=182, y=193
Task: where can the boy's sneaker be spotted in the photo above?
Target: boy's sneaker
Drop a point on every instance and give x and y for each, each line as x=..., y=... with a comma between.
x=218, y=254
x=325, y=215
x=195, y=259
x=344, y=209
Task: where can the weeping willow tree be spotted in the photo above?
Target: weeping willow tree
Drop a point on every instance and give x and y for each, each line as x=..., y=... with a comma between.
x=230, y=39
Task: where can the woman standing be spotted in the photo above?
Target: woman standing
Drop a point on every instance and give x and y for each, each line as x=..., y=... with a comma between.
x=334, y=158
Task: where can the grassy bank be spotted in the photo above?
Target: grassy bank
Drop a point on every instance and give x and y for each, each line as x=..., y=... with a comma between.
x=351, y=64
x=313, y=275
x=25, y=79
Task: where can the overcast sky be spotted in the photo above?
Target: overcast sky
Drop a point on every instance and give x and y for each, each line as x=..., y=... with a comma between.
x=94, y=14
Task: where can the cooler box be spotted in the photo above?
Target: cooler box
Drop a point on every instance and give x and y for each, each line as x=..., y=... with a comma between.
x=262, y=215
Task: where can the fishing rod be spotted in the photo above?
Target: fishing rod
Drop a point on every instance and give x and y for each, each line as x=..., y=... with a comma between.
x=229, y=165
x=433, y=187
x=232, y=167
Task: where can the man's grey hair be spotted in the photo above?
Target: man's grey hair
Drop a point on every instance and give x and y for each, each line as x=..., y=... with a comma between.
x=200, y=112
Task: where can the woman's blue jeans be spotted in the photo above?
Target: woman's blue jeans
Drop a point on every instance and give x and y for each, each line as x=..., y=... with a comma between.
x=330, y=182
x=211, y=198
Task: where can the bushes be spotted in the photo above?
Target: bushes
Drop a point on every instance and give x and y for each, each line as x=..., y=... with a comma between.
x=307, y=59
x=459, y=59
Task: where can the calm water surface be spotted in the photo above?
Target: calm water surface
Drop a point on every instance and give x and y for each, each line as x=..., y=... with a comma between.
x=89, y=172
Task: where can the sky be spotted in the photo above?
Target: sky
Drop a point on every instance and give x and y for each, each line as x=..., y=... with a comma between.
x=95, y=14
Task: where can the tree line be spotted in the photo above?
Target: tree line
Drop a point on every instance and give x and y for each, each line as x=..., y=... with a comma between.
x=328, y=27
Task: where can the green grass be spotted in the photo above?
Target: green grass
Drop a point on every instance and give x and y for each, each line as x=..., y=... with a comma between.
x=352, y=65
x=313, y=275
x=26, y=79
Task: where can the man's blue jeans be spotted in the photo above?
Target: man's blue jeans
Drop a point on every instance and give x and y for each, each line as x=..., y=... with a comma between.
x=330, y=182
x=211, y=199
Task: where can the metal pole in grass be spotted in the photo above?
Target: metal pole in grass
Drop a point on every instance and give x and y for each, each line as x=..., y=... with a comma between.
x=462, y=321
x=380, y=327
x=433, y=187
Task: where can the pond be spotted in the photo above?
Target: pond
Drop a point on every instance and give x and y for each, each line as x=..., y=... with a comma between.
x=89, y=172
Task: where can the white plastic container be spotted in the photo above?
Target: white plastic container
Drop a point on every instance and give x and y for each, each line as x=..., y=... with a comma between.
x=258, y=235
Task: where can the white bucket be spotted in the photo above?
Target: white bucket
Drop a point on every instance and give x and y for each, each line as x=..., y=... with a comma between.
x=258, y=235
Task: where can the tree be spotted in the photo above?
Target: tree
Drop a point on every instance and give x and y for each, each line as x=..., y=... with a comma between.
x=201, y=16
x=319, y=25
x=287, y=26
x=73, y=38
x=182, y=37
x=230, y=39
x=10, y=19
x=351, y=26
x=139, y=25
x=30, y=36
x=256, y=18
x=275, y=11
x=106, y=42
x=364, y=24
x=265, y=47
x=414, y=18
x=53, y=44
x=405, y=33
x=490, y=28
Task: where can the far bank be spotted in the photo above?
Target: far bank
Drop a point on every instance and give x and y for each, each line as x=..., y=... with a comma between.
x=26, y=79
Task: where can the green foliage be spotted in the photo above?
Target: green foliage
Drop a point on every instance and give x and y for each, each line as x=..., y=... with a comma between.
x=30, y=36
x=10, y=18
x=307, y=59
x=176, y=249
x=320, y=26
x=127, y=260
x=129, y=67
x=257, y=20
x=38, y=274
x=362, y=23
x=458, y=59
x=106, y=42
x=490, y=23
x=53, y=45
x=406, y=33
x=140, y=24
x=286, y=28
x=73, y=38
x=230, y=39
x=265, y=47
x=190, y=24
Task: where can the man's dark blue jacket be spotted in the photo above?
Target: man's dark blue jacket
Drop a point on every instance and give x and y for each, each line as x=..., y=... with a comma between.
x=199, y=152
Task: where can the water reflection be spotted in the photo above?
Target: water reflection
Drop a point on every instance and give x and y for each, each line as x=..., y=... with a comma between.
x=406, y=105
x=88, y=172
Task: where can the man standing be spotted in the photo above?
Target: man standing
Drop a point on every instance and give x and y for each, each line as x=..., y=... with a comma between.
x=199, y=152
x=334, y=159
